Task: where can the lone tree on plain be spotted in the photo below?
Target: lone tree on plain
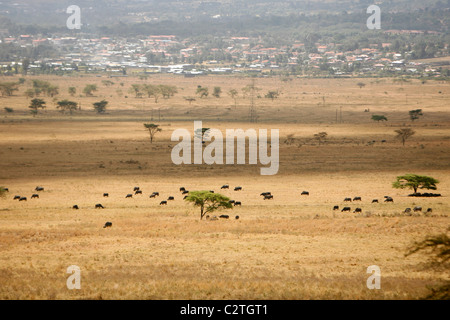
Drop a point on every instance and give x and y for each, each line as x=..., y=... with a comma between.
x=89, y=89
x=35, y=105
x=202, y=91
x=415, y=114
x=272, y=94
x=72, y=91
x=216, y=92
x=100, y=107
x=378, y=118
x=152, y=129
x=67, y=105
x=404, y=134
x=208, y=202
x=233, y=93
x=414, y=181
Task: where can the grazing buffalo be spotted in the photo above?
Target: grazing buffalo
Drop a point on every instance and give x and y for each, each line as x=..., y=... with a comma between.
x=185, y=197
x=16, y=197
x=237, y=217
x=429, y=210
x=375, y=201
x=99, y=206
x=212, y=191
x=348, y=200
x=265, y=194
x=357, y=199
x=6, y=189
x=357, y=210
x=388, y=199
x=75, y=207
x=417, y=209
x=305, y=193
x=156, y=193
x=224, y=216
x=138, y=192
x=129, y=195
x=39, y=188
x=231, y=201
x=170, y=198
x=35, y=196
x=237, y=188
x=182, y=189
x=106, y=195
x=23, y=199
x=268, y=197
x=336, y=208
x=237, y=203
x=185, y=192
x=136, y=188
x=163, y=203
x=107, y=225
x=346, y=209
x=407, y=210
x=225, y=186
x=383, y=141
x=153, y=195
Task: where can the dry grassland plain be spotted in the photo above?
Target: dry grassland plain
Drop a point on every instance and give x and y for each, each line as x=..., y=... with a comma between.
x=291, y=247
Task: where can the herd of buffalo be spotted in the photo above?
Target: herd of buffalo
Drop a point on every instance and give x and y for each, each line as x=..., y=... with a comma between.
x=265, y=196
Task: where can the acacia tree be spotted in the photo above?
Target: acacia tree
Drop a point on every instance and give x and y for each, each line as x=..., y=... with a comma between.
x=35, y=105
x=216, y=92
x=404, y=134
x=272, y=94
x=233, y=93
x=202, y=91
x=100, y=107
x=89, y=89
x=414, y=181
x=152, y=129
x=208, y=202
x=378, y=118
x=67, y=105
x=415, y=114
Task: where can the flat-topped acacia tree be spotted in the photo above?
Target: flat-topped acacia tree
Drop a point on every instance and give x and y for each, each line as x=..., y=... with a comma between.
x=415, y=181
x=152, y=129
x=208, y=202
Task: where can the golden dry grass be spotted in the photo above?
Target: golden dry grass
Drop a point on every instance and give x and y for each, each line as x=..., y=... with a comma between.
x=291, y=247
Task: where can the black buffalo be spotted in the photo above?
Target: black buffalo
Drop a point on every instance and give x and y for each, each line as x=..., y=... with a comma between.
x=106, y=194
x=39, y=188
x=268, y=197
x=336, y=208
x=305, y=193
x=237, y=188
x=237, y=203
x=136, y=188
x=346, y=209
x=129, y=195
x=417, y=209
x=99, y=206
x=138, y=192
x=224, y=216
x=375, y=201
x=357, y=199
x=357, y=210
x=388, y=199
x=170, y=198
x=75, y=207
x=35, y=196
x=182, y=189
x=348, y=200
x=163, y=203
x=107, y=225
x=16, y=197
x=225, y=186
x=23, y=199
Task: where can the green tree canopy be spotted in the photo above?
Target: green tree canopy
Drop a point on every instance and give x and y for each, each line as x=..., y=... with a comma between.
x=67, y=105
x=36, y=104
x=415, y=114
x=89, y=89
x=152, y=129
x=208, y=202
x=100, y=107
x=378, y=118
x=414, y=181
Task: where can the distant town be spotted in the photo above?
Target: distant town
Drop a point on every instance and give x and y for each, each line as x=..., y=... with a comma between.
x=234, y=55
